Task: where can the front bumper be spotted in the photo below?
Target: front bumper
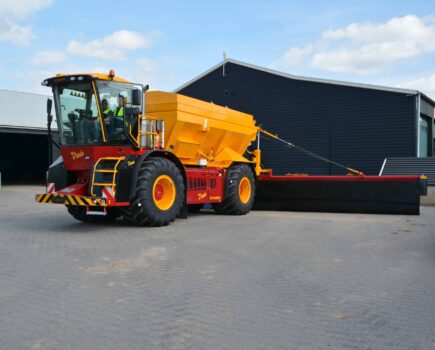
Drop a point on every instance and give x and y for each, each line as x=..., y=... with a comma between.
x=70, y=199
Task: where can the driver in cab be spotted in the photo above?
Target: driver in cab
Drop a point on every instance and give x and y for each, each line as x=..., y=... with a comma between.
x=119, y=111
x=115, y=119
x=105, y=110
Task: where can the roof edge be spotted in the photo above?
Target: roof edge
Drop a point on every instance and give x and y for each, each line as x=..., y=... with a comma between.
x=427, y=98
x=19, y=127
x=25, y=92
x=303, y=78
x=199, y=77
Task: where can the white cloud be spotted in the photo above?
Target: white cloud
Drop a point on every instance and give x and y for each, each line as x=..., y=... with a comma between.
x=366, y=59
x=297, y=54
x=365, y=48
x=15, y=33
x=408, y=29
x=20, y=9
x=48, y=57
x=29, y=78
x=145, y=65
x=111, y=47
x=142, y=72
x=11, y=12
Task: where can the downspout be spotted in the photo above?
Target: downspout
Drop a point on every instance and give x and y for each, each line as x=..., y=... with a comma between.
x=418, y=124
x=383, y=166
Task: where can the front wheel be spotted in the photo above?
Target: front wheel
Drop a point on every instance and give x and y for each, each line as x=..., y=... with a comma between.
x=159, y=194
x=239, y=191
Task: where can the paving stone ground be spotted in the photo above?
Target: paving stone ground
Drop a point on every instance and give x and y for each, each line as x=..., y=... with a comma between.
x=267, y=280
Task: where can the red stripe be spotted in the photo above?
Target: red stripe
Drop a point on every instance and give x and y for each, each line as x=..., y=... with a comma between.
x=50, y=187
x=108, y=195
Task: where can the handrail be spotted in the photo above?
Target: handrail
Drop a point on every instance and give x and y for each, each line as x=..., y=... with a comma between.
x=114, y=172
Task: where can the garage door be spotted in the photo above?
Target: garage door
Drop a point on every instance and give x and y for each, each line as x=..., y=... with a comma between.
x=23, y=158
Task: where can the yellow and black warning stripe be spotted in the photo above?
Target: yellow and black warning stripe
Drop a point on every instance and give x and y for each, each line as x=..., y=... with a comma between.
x=69, y=199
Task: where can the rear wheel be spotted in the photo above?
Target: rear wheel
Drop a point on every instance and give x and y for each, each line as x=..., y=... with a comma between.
x=239, y=191
x=79, y=213
x=159, y=194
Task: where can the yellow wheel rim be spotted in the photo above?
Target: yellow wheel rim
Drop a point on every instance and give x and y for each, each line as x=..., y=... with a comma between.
x=245, y=190
x=164, y=192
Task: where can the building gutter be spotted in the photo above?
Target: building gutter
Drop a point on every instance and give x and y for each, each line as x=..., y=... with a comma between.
x=25, y=130
x=417, y=123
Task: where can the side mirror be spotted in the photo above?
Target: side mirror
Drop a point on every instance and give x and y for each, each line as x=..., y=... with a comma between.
x=49, y=106
x=136, y=97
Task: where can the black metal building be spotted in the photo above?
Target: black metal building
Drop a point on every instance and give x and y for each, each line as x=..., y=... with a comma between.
x=23, y=138
x=355, y=124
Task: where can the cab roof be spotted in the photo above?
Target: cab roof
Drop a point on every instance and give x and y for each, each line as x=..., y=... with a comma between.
x=99, y=76
x=61, y=78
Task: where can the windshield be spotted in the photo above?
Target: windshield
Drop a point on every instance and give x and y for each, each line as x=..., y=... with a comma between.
x=77, y=114
x=115, y=97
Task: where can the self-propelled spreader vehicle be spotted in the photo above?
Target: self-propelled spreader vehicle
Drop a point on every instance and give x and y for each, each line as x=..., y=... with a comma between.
x=150, y=156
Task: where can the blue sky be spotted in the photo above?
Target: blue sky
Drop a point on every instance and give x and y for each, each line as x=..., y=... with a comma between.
x=166, y=43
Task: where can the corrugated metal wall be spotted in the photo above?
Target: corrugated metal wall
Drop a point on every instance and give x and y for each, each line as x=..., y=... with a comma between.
x=411, y=166
x=355, y=126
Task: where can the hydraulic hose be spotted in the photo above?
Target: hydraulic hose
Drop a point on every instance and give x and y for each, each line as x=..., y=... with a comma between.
x=307, y=152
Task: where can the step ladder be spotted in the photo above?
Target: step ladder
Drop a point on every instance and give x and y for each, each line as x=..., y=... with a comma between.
x=104, y=175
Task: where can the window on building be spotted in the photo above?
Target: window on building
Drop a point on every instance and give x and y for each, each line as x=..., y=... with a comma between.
x=425, y=142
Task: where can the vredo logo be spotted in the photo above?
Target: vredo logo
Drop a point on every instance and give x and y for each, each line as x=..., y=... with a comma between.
x=201, y=195
x=77, y=155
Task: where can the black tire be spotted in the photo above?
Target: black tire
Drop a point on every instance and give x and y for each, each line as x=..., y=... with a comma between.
x=79, y=213
x=143, y=209
x=232, y=203
x=194, y=208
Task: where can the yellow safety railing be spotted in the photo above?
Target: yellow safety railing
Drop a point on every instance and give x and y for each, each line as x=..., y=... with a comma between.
x=149, y=136
x=147, y=127
x=113, y=171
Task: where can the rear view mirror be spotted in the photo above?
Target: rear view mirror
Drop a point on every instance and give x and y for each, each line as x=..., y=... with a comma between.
x=50, y=139
x=136, y=97
x=49, y=106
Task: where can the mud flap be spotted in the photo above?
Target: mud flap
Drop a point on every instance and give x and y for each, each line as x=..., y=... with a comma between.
x=365, y=194
x=184, y=213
